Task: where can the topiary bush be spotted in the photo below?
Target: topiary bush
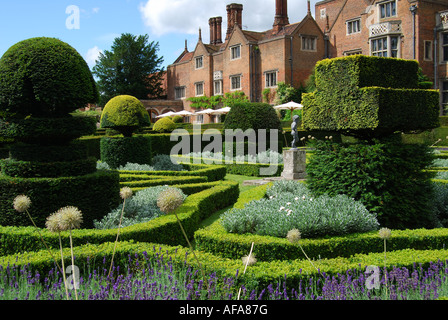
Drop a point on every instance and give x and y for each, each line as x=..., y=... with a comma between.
x=164, y=125
x=178, y=119
x=255, y=116
x=118, y=151
x=373, y=99
x=42, y=81
x=388, y=177
x=44, y=77
x=125, y=114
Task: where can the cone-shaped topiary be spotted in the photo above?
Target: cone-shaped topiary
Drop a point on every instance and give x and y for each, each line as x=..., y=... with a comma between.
x=164, y=125
x=125, y=114
x=44, y=77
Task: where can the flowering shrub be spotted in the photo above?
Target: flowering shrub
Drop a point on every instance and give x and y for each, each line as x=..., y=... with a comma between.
x=314, y=217
x=139, y=208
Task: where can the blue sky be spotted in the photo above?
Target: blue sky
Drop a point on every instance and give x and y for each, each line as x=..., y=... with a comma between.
x=168, y=22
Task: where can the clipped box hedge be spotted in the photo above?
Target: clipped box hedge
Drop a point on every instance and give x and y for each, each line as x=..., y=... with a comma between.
x=212, y=172
x=215, y=239
x=369, y=96
x=236, y=167
x=95, y=194
x=163, y=230
x=261, y=274
x=140, y=181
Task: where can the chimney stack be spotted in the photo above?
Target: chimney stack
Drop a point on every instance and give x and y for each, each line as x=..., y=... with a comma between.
x=234, y=17
x=281, y=14
x=215, y=30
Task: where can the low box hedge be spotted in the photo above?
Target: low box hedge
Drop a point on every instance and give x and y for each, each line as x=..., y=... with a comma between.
x=213, y=173
x=288, y=272
x=239, y=168
x=164, y=229
x=215, y=239
x=151, y=181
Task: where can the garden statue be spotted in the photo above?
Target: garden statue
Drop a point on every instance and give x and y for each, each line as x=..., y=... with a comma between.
x=294, y=133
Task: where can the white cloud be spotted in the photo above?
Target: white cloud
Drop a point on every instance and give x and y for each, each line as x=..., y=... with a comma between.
x=95, y=10
x=92, y=55
x=187, y=16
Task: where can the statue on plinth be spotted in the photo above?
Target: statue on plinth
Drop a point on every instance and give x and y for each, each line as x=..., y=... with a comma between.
x=294, y=132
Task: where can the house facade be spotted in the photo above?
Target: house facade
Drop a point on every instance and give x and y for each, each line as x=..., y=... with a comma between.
x=247, y=61
x=407, y=29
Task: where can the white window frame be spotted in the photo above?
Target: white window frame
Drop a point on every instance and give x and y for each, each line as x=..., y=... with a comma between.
x=307, y=41
x=443, y=45
x=235, y=52
x=352, y=23
x=388, y=50
x=232, y=88
x=217, y=88
x=199, y=89
x=352, y=52
x=199, y=62
x=270, y=79
x=388, y=6
x=180, y=93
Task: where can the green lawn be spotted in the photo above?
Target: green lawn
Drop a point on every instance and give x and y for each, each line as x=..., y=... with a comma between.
x=232, y=177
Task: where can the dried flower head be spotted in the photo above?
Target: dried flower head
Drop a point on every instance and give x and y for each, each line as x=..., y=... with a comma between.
x=53, y=221
x=384, y=233
x=249, y=260
x=70, y=218
x=125, y=193
x=169, y=200
x=21, y=203
x=293, y=235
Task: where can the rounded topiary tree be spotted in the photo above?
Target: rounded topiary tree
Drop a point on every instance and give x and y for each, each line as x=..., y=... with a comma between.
x=43, y=80
x=44, y=77
x=164, y=125
x=125, y=114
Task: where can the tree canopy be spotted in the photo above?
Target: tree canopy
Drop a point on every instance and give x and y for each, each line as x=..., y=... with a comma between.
x=131, y=67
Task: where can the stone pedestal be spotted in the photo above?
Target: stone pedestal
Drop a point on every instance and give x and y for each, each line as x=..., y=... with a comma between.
x=294, y=164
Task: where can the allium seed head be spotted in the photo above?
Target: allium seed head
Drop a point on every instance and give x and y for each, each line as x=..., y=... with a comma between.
x=53, y=221
x=249, y=260
x=70, y=218
x=125, y=193
x=169, y=200
x=21, y=203
x=384, y=233
x=293, y=235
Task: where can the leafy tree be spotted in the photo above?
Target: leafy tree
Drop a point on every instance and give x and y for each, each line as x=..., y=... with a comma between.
x=131, y=67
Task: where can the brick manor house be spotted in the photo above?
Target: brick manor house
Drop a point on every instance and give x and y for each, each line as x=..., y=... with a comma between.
x=407, y=29
x=249, y=61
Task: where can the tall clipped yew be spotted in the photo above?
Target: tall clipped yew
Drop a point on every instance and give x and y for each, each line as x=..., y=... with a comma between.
x=374, y=100
x=43, y=80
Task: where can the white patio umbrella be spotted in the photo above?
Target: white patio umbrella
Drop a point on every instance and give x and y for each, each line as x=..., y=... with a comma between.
x=221, y=111
x=183, y=113
x=289, y=106
x=168, y=114
x=206, y=111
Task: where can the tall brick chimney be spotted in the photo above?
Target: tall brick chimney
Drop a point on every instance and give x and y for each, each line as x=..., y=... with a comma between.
x=215, y=30
x=234, y=17
x=281, y=15
x=212, y=24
